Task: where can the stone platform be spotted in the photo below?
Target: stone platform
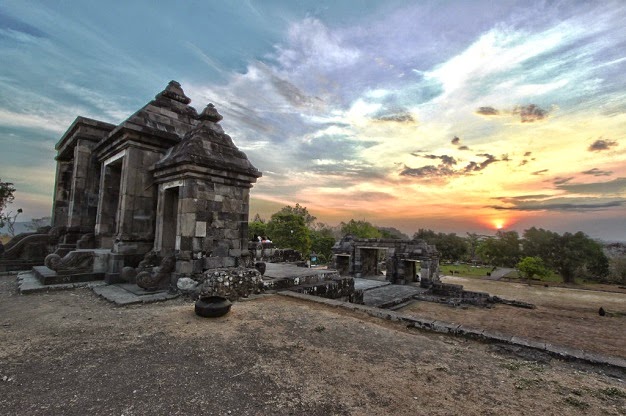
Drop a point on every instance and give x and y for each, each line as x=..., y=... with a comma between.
x=50, y=277
x=282, y=276
x=128, y=294
x=27, y=282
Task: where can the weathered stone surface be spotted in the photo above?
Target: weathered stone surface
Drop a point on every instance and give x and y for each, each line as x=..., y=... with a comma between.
x=187, y=285
x=231, y=283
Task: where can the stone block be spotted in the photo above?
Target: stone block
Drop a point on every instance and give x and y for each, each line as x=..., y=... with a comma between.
x=200, y=229
x=186, y=243
x=184, y=267
x=229, y=262
x=213, y=262
x=198, y=265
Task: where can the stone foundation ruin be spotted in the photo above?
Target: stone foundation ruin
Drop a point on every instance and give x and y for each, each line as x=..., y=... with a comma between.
x=404, y=259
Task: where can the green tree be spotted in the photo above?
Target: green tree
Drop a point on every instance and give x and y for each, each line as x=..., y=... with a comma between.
x=391, y=232
x=360, y=229
x=472, y=240
x=322, y=242
x=577, y=254
x=501, y=250
x=301, y=211
x=256, y=228
x=450, y=246
x=538, y=242
x=532, y=266
x=289, y=231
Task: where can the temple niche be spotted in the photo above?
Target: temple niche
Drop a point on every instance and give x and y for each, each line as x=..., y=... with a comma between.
x=165, y=193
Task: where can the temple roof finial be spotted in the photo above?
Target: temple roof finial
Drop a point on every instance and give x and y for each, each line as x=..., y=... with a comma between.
x=210, y=113
x=175, y=92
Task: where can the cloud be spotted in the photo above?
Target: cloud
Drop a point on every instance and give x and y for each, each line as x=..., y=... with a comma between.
x=445, y=159
x=560, y=181
x=540, y=172
x=455, y=141
x=463, y=148
x=530, y=113
x=398, y=118
x=615, y=186
x=428, y=171
x=475, y=167
x=487, y=111
x=562, y=204
x=445, y=170
x=597, y=172
x=527, y=154
x=368, y=196
x=601, y=144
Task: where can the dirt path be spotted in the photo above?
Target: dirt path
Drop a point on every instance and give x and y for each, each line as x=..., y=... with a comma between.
x=563, y=316
x=71, y=353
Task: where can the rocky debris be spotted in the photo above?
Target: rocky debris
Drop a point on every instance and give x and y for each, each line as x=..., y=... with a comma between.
x=186, y=285
x=231, y=283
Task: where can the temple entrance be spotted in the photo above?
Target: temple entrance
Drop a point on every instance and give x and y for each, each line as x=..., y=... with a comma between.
x=110, y=200
x=170, y=220
x=410, y=271
x=370, y=261
x=342, y=262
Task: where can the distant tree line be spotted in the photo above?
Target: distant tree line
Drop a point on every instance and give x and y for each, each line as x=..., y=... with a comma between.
x=535, y=253
x=295, y=227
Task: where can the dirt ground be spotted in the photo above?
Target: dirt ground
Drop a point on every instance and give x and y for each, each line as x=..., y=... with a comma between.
x=71, y=353
x=563, y=316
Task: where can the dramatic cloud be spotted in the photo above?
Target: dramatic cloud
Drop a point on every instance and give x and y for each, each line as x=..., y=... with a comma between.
x=560, y=181
x=445, y=159
x=597, y=172
x=558, y=204
x=616, y=186
x=530, y=113
x=476, y=167
x=429, y=171
x=487, y=111
x=398, y=118
x=445, y=167
x=601, y=144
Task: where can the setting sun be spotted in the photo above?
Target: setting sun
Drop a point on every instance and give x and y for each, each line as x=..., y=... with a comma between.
x=499, y=224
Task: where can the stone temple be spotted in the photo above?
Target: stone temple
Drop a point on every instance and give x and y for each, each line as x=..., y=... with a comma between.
x=164, y=192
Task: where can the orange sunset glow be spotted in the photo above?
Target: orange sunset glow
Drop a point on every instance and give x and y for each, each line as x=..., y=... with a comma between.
x=515, y=121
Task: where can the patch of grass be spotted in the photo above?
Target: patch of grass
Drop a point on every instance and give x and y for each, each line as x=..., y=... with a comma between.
x=320, y=328
x=613, y=392
x=465, y=270
x=573, y=401
x=528, y=383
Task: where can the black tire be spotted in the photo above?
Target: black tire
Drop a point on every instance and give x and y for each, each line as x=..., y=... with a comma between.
x=212, y=307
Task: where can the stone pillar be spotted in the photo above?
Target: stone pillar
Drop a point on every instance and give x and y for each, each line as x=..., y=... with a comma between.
x=83, y=198
x=62, y=192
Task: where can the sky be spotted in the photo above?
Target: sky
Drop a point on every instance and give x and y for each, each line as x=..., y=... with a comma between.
x=458, y=116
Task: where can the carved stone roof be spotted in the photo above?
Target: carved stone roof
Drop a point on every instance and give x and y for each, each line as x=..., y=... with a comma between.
x=207, y=145
x=161, y=122
x=168, y=112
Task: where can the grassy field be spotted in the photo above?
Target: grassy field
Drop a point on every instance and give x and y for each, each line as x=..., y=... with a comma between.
x=465, y=270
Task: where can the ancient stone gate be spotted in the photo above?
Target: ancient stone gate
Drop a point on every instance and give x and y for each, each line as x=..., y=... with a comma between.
x=404, y=259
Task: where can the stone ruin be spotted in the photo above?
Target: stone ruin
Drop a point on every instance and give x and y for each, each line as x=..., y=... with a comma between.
x=404, y=259
x=163, y=195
